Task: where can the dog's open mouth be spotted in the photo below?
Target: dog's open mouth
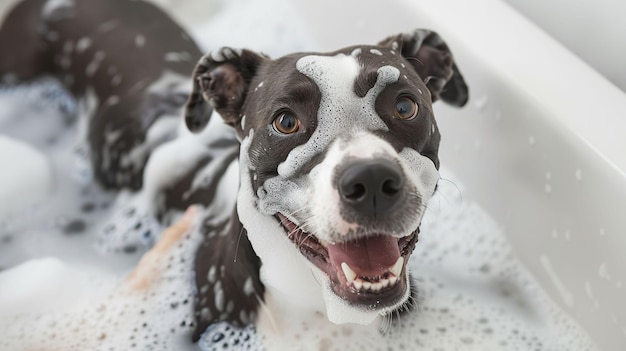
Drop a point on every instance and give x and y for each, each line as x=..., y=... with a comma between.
x=368, y=271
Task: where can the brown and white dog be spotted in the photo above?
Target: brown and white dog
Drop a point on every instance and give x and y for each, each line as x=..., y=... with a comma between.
x=338, y=153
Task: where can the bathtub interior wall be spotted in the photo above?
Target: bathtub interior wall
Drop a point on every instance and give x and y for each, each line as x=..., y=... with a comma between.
x=592, y=29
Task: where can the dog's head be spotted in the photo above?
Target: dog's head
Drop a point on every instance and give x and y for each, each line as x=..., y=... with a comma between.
x=338, y=162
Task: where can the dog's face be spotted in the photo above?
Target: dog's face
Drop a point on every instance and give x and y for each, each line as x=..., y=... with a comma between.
x=338, y=161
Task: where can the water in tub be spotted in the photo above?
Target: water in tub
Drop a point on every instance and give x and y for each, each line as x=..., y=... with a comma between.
x=58, y=291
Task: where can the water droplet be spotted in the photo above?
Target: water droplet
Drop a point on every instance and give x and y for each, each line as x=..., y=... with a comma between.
x=548, y=188
x=548, y=175
x=579, y=175
x=567, y=235
x=481, y=102
x=602, y=232
x=603, y=272
x=531, y=140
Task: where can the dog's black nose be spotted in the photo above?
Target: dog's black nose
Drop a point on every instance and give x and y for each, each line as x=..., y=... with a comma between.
x=371, y=187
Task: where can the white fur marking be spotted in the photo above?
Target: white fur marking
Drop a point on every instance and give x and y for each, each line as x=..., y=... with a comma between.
x=176, y=56
x=83, y=44
x=116, y=80
x=140, y=40
x=248, y=287
x=53, y=5
x=112, y=100
x=219, y=296
x=108, y=25
x=170, y=82
x=258, y=86
x=94, y=65
x=91, y=68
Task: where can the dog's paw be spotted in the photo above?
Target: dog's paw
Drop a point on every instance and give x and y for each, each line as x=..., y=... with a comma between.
x=130, y=229
x=222, y=54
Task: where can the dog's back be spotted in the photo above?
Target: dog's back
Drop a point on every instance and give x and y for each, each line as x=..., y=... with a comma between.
x=128, y=55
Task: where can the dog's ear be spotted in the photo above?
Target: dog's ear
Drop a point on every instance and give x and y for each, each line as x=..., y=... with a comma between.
x=430, y=56
x=221, y=78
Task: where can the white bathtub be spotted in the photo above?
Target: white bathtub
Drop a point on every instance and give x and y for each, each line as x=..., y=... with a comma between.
x=540, y=145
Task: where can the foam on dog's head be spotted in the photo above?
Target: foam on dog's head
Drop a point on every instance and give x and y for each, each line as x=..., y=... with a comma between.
x=340, y=110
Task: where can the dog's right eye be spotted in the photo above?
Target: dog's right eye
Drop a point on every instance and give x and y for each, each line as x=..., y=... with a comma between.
x=406, y=108
x=286, y=123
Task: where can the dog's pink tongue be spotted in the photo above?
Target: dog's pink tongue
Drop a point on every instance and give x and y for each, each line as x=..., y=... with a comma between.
x=368, y=257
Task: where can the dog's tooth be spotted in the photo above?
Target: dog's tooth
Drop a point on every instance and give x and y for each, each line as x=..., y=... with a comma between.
x=367, y=285
x=384, y=283
x=393, y=280
x=376, y=286
x=358, y=284
x=348, y=272
x=397, y=267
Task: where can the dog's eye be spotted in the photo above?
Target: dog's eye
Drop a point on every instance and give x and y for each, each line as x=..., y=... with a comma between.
x=406, y=108
x=286, y=123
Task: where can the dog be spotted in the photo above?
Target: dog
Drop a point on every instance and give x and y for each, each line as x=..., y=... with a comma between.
x=338, y=160
x=337, y=153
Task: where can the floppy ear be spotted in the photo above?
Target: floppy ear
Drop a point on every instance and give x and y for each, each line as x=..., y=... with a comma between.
x=220, y=78
x=430, y=57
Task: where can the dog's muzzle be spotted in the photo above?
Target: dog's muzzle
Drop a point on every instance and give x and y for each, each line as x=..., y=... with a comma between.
x=368, y=267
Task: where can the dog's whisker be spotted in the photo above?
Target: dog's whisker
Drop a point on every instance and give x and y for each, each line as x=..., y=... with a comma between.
x=237, y=246
x=297, y=211
x=305, y=239
x=293, y=232
x=268, y=312
x=458, y=190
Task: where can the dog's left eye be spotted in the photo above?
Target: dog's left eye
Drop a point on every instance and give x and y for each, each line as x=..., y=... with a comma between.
x=286, y=123
x=406, y=108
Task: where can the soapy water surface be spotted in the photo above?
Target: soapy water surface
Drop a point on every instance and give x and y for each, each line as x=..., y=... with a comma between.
x=58, y=291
